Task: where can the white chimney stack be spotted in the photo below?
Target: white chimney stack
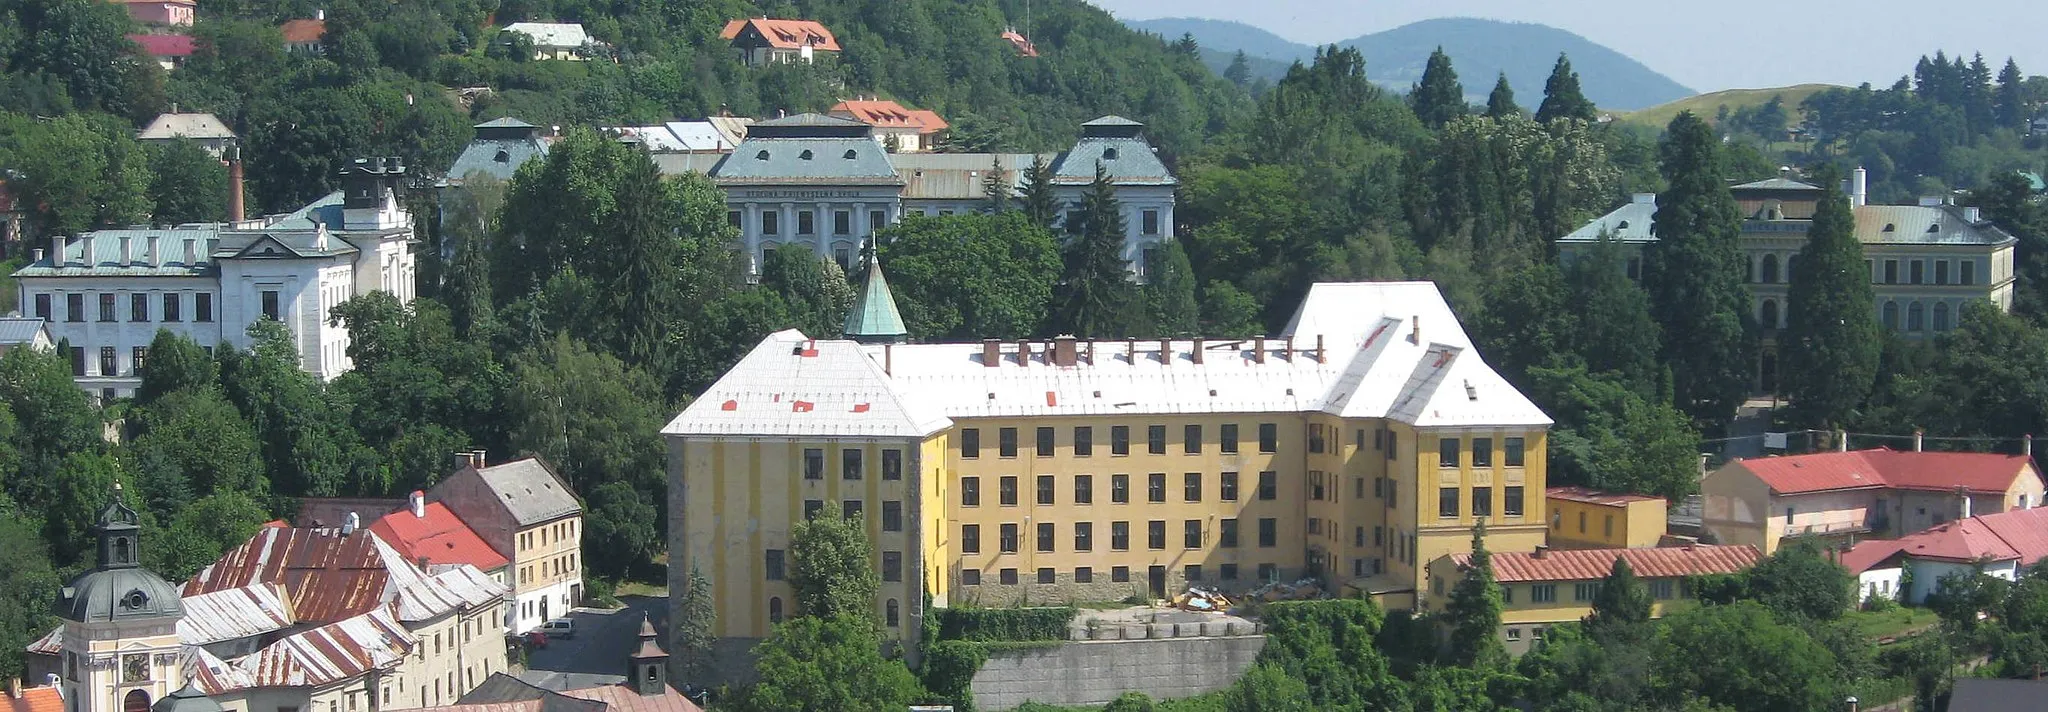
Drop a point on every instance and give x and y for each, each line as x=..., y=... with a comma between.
x=152, y=257
x=1841, y=441
x=85, y=253
x=1859, y=187
x=57, y=251
x=191, y=252
x=350, y=522
x=1919, y=436
x=418, y=501
x=127, y=250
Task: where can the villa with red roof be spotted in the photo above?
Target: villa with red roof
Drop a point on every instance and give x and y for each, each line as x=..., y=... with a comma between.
x=904, y=130
x=761, y=40
x=1865, y=493
x=2001, y=545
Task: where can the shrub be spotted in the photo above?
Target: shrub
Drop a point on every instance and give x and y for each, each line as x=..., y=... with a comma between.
x=1004, y=624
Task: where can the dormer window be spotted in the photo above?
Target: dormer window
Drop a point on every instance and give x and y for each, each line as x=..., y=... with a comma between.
x=1109, y=154
x=135, y=600
x=806, y=155
x=850, y=154
x=503, y=157
x=1931, y=229
x=762, y=156
x=1622, y=226
x=1891, y=227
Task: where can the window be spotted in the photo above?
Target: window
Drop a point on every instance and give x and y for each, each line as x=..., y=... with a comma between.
x=1317, y=441
x=1191, y=534
x=1155, y=487
x=876, y=219
x=138, y=307
x=1269, y=437
x=970, y=538
x=1891, y=315
x=1007, y=539
x=849, y=464
x=1155, y=439
x=1482, y=501
x=109, y=363
x=1155, y=534
x=806, y=222
x=814, y=463
x=1008, y=577
x=895, y=614
x=1916, y=317
x=1770, y=269
x=970, y=443
x=1607, y=526
x=1084, y=489
x=270, y=310
x=202, y=307
x=1315, y=485
x=970, y=491
x=774, y=565
x=1507, y=594
x=1191, y=439
x=107, y=307
x=1045, y=537
x=1661, y=589
x=1045, y=442
x=1269, y=573
x=1941, y=272
x=43, y=307
x=1045, y=575
x=1482, y=452
x=1891, y=271
x=1269, y=486
x=1447, y=503
x=1006, y=490
x=1967, y=273
x=1390, y=445
x=732, y=217
x=1120, y=489
x=1006, y=442
x=1084, y=441
x=1447, y=452
x=1045, y=489
x=892, y=566
x=1150, y=221
x=1511, y=501
x=1226, y=534
x=1543, y=593
x=1582, y=522
x=1120, y=536
x=1269, y=532
x=1226, y=438
x=1084, y=536
x=812, y=507
x=1083, y=574
x=1120, y=574
x=892, y=516
x=1229, y=493
x=1919, y=271
x=1585, y=591
x=842, y=222
x=74, y=307
x=135, y=358
x=1191, y=487
x=1192, y=572
x=1119, y=440
x=892, y=464
x=1511, y=452
x=1941, y=316
x=771, y=222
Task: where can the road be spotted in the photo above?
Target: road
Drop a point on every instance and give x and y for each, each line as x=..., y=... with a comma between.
x=597, y=655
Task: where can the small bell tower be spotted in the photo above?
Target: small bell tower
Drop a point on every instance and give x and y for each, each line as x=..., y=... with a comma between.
x=649, y=668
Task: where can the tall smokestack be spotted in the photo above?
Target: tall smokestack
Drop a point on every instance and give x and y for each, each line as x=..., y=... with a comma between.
x=236, y=209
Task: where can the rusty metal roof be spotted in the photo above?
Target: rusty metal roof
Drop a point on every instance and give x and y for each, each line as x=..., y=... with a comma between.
x=336, y=651
x=1593, y=564
x=620, y=698
x=211, y=674
x=234, y=613
x=330, y=576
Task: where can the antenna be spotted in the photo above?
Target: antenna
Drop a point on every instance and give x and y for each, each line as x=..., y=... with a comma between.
x=1028, y=29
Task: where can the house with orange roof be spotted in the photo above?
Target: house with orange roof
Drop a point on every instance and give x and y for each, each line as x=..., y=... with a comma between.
x=1861, y=494
x=2002, y=545
x=1019, y=42
x=1546, y=587
x=1585, y=518
x=34, y=699
x=902, y=130
x=761, y=40
x=304, y=35
x=430, y=535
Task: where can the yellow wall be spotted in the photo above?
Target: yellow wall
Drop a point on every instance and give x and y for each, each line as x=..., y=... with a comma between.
x=1582, y=525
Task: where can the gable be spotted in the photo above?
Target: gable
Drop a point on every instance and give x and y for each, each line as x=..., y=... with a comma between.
x=268, y=247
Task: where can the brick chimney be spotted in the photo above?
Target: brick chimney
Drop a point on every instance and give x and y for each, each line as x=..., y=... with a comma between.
x=1165, y=352
x=1195, y=353
x=236, y=208
x=1064, y=351
x=1259, y=349
x=991, y=353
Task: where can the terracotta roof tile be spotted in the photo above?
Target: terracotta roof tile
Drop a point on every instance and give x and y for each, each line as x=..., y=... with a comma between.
x=303, y=31
x=785, y=34
x=2006, y=536
x=164, y=45
x=1593, y=564
x=39, y=699
x=1864, y=469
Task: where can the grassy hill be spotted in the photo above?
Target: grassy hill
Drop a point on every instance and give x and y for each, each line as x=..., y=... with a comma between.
x=1708, y=105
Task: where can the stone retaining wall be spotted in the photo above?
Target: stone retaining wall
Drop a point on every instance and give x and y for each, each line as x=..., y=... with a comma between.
x=1165, y=661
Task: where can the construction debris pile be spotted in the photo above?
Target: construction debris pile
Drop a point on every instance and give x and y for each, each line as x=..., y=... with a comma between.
x=1202, y=600
x=1302, y=590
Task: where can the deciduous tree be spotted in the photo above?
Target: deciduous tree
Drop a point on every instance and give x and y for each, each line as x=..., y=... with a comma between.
x=827, y=663
x=971, y=276
x=186, y=184
x=830, y=567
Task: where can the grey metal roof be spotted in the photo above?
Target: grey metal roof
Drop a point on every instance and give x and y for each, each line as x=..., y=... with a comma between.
x=1127, y=161
x=19, y=330
x=840, y=161
x=699, y=136
x=1776, y=184
x=956, y=176
x=498, y=153
x=168, y=261
x=186, y=699
x=552, y=34
x=530, y=490
x=1628, y=223
x=1976, y=694
x=1918, y=225
x=501, y=688
x=808, y=119
x=675, y=164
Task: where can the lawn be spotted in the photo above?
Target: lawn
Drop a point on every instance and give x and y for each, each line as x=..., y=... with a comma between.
x=1878, y=625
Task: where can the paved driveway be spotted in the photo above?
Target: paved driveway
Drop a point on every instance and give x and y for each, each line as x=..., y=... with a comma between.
x=597, y=655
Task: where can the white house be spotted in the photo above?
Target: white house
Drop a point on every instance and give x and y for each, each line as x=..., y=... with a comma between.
x=108, y=292
x=553, y=40
x=2002, y=545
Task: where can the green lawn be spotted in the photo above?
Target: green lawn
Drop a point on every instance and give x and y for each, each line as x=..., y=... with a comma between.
x=1884, y=624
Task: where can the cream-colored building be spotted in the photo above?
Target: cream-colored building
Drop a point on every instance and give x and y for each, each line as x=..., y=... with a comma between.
x=1543, y=588
x=1862, y=494
x=525, y=511
x=1366, y=439
x=1582, y=518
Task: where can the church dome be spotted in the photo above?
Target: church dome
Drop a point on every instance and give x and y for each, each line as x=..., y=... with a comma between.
x=186, y=699
x=119, y=588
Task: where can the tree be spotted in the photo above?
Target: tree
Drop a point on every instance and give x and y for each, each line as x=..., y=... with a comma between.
x=76, y=172
x=26, y=590
x=191, y=443
x=467, y=211
x=830, y=567
x=1228, y=312
x=970, y=276
x=1170, y=294
x=1095, y=291
x=1530, y=321
x=1036, y=197
x=1266, y=688
x=307, y=448
x=186, y=185
x=1739, y=655
x=2012, y=97
x=199, y=533
x=1331, y=646
x=1621, y=611
x=1613, y=438
x=83, y=46
x=1438, y=97
x=1800, y=581
x=1831, y=331
x=1561, y=97
x=827, y=663
x=1240, y=70
x=1695, y=275
x=175, y=364
x=1615, y=332
x=1501, y=103
x=813, y=288
x=1474, y=611
x=696, y=625
x=622, y=536
x=995, y=187
x=594, y=418
x=50, y=420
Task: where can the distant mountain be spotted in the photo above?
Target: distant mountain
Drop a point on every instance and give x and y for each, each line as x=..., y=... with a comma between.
x=1479, y=50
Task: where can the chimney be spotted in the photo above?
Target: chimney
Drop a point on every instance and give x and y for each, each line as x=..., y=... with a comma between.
x=1165, y=352
x=191, y=252
x=991, y=353
x=1321, y=355
x=1131, y=351
x=463, y=459
x=151, y=256
x=1091, y=352
x=1541, y=551
x=14, y=688
x=1288, y=352
x=2027, y=445
x=1972, y=215
x=85, y=252
x=1259, y=349
x=1417, y=322
x=1841, y=441
x=1919, y=436
x=237, y=211
x=1859, y=187
x=477, y=459
x=57, y=251
x=350, y=522
x=35, y=255
x=1023, y=352
x=127, y=251
x=1851, y=701
x=418, y=501
x=320, y=15
x=1963, y=493
x=1064, y=352
x=888, y=359
x=1195, y=353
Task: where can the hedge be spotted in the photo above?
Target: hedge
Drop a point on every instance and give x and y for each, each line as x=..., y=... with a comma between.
x=1005, y=624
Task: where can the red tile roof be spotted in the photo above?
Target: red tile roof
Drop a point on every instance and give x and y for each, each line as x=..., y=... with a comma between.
x=620, y=698
x=38, y=699
x=297, y=32
x=1023, y=44
x=1867, y=554
x=2021, y=534
x=889, y=114
x=1865, y=469
x=164, y=45
x=1593, y=564
x=785, y=34
x=439, y=537
x=1593, y=496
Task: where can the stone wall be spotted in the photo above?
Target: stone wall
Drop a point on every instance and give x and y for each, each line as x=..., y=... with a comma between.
x=1162, y=660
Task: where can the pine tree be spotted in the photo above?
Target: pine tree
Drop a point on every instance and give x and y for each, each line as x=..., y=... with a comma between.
x=1170, y=293
x=1438, y=98
x=1037, y=199
x=1095, y=293
x=1561, y=96
x=1621, y=610
x=1501, y=103
x=469, y=290
x=2012, y=97
x=1832, y=342
x=696, y=619
x=1474, y=611
x=1240, y=70
x=995, y=186
x=1615, y=333
x=1695, y=273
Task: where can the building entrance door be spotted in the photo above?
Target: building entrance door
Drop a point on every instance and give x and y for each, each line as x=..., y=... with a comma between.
x=1156, y=580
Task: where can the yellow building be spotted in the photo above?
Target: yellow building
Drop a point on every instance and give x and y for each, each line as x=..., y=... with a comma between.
x=1582, y=518
x=1366, y=438
x=1543, y=588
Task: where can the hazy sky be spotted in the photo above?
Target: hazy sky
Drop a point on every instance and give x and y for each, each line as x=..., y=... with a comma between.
x=1710, y=45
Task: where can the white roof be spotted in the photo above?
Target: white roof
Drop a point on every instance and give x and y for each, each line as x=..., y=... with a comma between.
x=193, y=126
x=552, y=34
x=699, y=136
x=656, y=139
x=1375, y=367
x=234, y=613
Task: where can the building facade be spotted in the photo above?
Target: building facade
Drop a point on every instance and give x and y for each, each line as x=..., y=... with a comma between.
x=1365, y=440
x=1544, y=588
x=1582, y=518
x=761, y=41
x=525, y=512
x=108, y=292
x=2002, y=545
x=1865, y=493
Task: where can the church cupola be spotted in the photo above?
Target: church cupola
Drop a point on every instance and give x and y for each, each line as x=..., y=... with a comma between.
x=119, y=534
x=649, y=669
x=874, y=318
x=118, y=588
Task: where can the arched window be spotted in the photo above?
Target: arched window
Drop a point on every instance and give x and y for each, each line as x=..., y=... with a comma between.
x=894, y=613
x=762, y=155
x=121, y=552
x=503, y=157
x=1891, y=315
x=1770, y=269
x=851, y=154
x=1770, y=314
x=775, y=610
x=1916, y=317
x=1109, y=154
x=136, y=701
x=806, y=155
x=1941, y=316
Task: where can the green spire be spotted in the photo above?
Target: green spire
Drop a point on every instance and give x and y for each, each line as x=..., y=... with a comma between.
x=874, y=319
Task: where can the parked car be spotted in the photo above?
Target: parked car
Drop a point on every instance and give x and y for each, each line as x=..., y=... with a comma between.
x=530, y=640
x=559, y=628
